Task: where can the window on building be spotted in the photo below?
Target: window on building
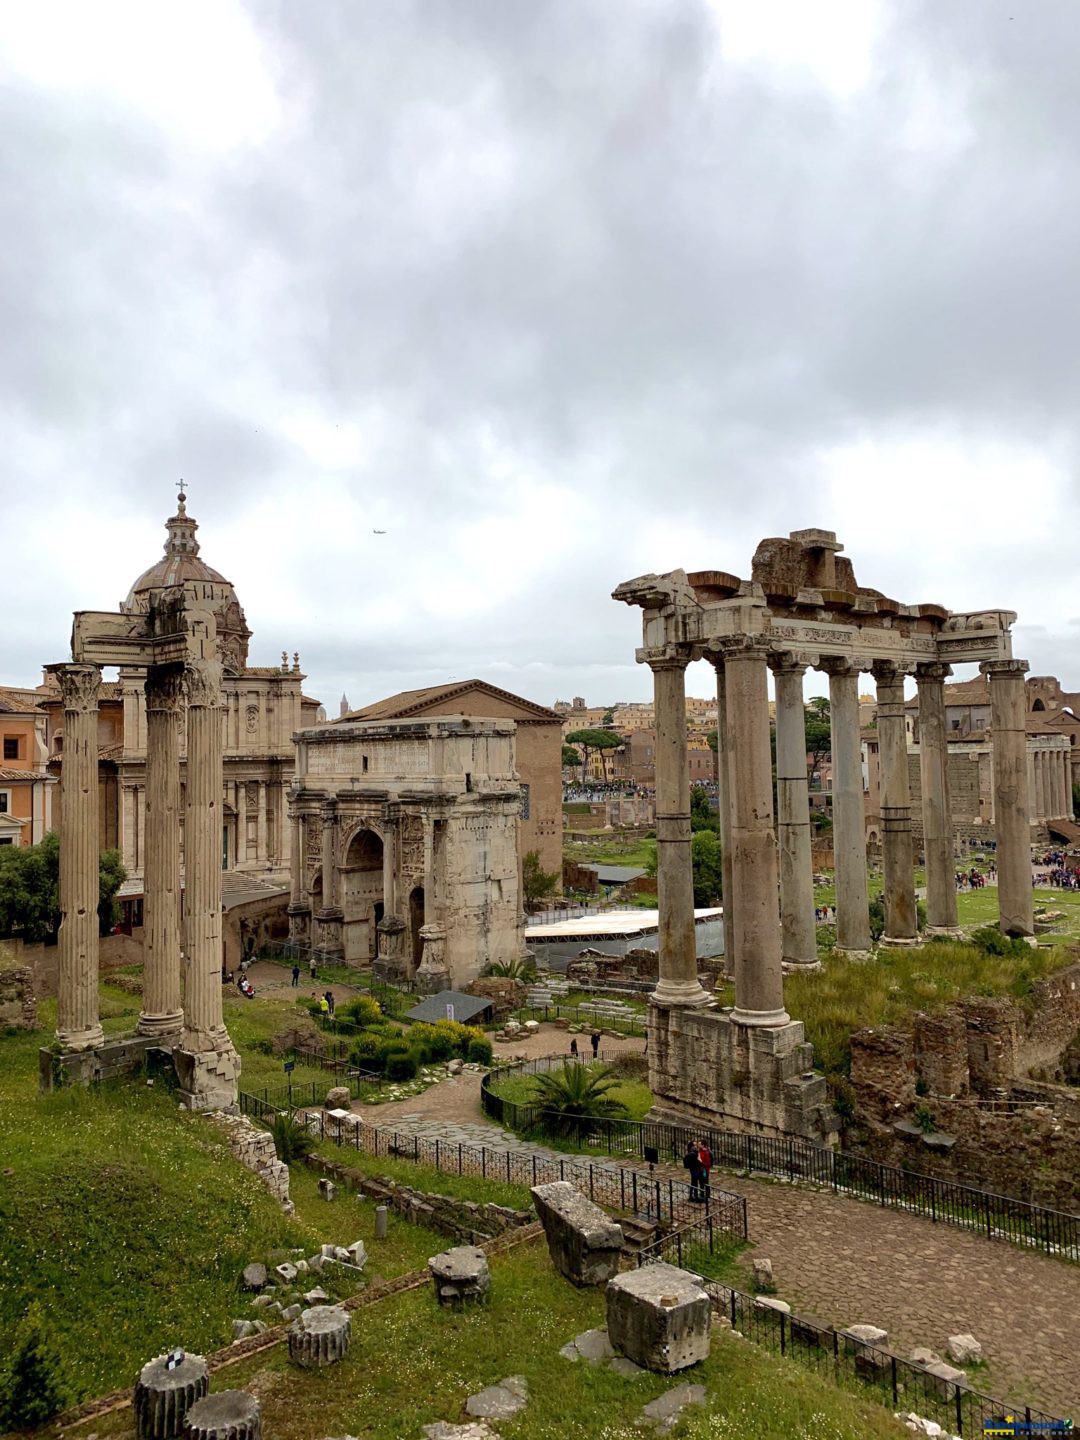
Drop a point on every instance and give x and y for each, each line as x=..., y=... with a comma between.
x=11, y=747
x=7, y=840
x=5, y=801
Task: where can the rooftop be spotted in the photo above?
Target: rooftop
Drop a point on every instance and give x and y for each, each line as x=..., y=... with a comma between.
x=413, y=702
x=434, y=1007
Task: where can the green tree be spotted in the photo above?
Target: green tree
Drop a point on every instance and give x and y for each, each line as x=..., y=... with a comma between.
x=575, y=1096
x=33, y=1389
x=30, y=889
x=609, y=718
x=705, y=856
x=537, y=881
x=570, y=757
x=818, y=733
x=702, y=815
x=602, y=740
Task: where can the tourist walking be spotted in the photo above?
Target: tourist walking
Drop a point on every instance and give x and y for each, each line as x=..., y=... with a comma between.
x=573, y=1048
x=594, y=1041
x=311, y=968
x=329, y=998
x=692, y=1162
x=295, y=975
x=705, y=1161
x=324, y=1006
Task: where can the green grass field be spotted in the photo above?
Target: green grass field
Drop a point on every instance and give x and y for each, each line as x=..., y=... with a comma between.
x=633, y=850
x=411, y=1364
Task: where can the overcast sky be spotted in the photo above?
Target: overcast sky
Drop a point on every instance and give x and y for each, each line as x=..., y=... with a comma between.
x=552, y=293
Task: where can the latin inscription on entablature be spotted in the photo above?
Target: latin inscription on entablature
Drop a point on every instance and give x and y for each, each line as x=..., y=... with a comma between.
x=345, y=757
x=849, y=639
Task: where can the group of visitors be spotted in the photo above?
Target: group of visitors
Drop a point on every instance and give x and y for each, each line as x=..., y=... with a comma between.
x=824, y=914
x=594, y=1041
x=325, y=1002
x=245, y=987
x=974, y=879
x=698, y=1160
x=1061, y=877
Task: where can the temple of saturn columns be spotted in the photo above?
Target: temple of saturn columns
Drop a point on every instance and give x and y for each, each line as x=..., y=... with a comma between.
x=175, y=642
x=802, y=608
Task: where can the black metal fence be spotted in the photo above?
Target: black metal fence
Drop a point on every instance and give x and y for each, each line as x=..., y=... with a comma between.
x=868, y=1369
x=618, y=1188
x=998, y=1217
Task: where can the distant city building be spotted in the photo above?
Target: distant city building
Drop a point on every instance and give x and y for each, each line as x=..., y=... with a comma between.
x=26, y=788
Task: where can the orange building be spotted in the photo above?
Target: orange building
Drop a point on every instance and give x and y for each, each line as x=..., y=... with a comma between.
x=26, y=790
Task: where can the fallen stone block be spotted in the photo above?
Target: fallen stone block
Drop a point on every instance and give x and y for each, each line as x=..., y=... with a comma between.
x=770, y=1302
x=286, y=1272
x=593, y=1346
x=327, y=1188
x=583, y=1241
x=291, y=1312
x=658, y=1316
x=664, y=1413
x=254, y=1277
x=501, y=1401
x=944, y=1379
x=763, y=1273
x=357, y=1253
x=241, y=1329
x=922, y=1356
x=461, y=1275
x=964, y=1349
x=338, y=1097
x=473, y=1430
x=318, y=1296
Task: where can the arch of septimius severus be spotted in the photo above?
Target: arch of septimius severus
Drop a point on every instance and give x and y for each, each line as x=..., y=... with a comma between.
x=802, y=609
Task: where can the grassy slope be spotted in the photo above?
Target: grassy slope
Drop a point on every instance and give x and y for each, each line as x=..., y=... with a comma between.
x=411, y=1364
x=130, y=1222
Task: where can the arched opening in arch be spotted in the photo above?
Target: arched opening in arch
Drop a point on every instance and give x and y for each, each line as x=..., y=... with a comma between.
x=416, y=920
x=362, y=896
x=1038, y=705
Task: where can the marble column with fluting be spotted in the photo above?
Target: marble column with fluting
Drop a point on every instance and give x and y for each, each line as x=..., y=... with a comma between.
x=240, y=807
x=329, y=855
x=1058, y=772
x=77, y=1024
x=204, y=1028
x=677, y=983
x=1066, y=782
x=723, y=803
x=161, y=1006
x=759, y=978
x=299, y=907
x=261, y=826
x=793, y=834
x=1038, y=796
x=1012, y=825
x=901, y=919
x=849, y=815
x=941, y=913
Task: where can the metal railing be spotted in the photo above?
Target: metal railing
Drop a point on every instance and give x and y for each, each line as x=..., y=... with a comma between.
x=869, y=1369
x=617, y=1188
x=945, y=1202
x=576, y=1015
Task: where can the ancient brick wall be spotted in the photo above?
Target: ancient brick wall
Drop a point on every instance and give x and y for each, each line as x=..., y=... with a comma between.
x=941, y=1053
x=994, y=1025
x=883, y=1071
x=18, y=1001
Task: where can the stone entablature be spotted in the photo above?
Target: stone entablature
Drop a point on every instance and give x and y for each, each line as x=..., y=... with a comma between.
x=405, y=846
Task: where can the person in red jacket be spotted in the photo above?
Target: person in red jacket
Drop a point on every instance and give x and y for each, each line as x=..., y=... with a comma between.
x=705, y=1162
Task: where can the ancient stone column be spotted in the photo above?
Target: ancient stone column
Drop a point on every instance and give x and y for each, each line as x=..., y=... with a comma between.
x=799, y=936
x=1066, y=783
x=937, y=817
x=164, y=1395
x=1011, y=804
x=901, y=923
x=204, y=1028
x=723, y=801
x=299, y=910
x=1058, y=776
x=759, y=979
x=161, y=1009
x=261, y=826
x=1039, y=811
x=677, y=983
x=330, y=916
x=77, y=1024
x=241, y=822
x=849, y=816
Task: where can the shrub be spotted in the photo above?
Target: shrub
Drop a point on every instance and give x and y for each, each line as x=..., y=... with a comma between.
x=924, y=1118
x=33, y=1389
x=992, y=941
x=842, y=1094
x=433, y=1042
x=362, y=1011
x=401, y=1065
x=292, y=1140
x=365, y=1050
x=479, y=1051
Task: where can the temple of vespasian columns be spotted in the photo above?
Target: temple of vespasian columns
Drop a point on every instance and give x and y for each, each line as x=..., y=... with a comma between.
x=749, y=1065
x=176, y=641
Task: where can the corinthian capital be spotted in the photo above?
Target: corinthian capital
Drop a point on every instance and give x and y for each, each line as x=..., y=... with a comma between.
x=165, y=688
x=78, y=685
x=203, y=683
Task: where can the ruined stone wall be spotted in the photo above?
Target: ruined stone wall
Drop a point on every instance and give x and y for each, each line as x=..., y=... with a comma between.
x=115, y=951
x=254, y=1148
x=18, y=1001
x=1055, y=1021
x=964, y=793
x=883, y=1071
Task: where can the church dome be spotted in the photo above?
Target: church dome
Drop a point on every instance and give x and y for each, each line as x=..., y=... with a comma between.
x=181, y=565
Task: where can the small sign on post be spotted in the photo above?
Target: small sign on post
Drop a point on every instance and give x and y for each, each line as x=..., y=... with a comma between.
x=450, y=1011
x=290, y=1066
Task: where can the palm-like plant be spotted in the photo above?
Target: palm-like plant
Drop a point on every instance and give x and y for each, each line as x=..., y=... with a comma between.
x=292, y=1139
x=576, y=1096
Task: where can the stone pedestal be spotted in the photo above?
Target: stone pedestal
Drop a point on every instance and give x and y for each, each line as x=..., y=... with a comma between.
x=583, y=1241
x=163, y=1397
x=461, y=1276
x=391, y=964
x=320, y=1336
x=77, y=1023
x=328, y=936
x=707, y=1069
x=228, y=1415
x=1008, y=715
x=209, y=1079
x=433, y=974
x=161, y=1010
x=299, y=924
x=659, y=1317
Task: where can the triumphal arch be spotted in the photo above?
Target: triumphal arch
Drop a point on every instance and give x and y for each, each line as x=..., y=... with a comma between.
x=174, y=640
x=802, y=608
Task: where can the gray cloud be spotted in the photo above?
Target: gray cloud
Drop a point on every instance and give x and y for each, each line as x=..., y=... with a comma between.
x=555, y=294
